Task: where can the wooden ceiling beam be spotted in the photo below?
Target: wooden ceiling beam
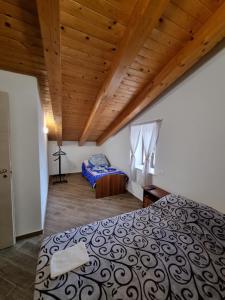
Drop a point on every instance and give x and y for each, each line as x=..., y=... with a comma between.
x=144, y=18
x=212, y=32
x=49, y=18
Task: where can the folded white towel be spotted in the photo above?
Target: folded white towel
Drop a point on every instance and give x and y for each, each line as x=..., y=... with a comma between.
x=66, y=260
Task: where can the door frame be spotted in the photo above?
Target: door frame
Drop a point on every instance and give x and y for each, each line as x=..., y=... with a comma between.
x=4, y=96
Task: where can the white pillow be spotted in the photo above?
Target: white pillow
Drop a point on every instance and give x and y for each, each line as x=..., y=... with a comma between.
x=99, y=160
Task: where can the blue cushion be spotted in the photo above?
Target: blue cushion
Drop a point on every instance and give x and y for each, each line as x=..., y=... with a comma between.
x=99, y=160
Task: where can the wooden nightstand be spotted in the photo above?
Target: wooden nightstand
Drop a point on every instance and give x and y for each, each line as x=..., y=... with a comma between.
x=151, y=194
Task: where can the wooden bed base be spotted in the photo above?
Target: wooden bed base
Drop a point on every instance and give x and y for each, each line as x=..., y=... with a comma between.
x=110, y=185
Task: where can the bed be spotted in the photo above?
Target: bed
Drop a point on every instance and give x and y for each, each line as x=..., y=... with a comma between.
x=174, y=249
x=105, y=179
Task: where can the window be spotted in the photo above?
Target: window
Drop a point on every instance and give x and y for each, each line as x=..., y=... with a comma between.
x=143, y=152
x=142, y=159
x=152, y=157
x=148, y=134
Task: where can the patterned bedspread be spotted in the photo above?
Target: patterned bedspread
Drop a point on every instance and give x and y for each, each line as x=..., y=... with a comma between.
x=93, y=173
x=174, y=249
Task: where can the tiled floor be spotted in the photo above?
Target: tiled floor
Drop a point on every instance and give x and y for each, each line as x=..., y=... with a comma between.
x=69, y=205
x=17, y=269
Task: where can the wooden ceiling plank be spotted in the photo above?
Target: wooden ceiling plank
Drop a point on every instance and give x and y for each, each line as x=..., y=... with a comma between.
x=10, y=53
x=212, y=4
x=157, y=47
x=19, y=69
x=137, y=73
x=82, y=74
x=85, y=38
x=10, y=22
x=130, y=83
x=74, y=93
x=165, y=39
x=133, y=78
x=194, y=8
x=73, y=80
x=76, y=61
x=167, y=26
x=144, y=18
x=20, y=46
x=85, y=26
x=83, y=84
x=15, y=61
x=76, y=67
x=78, y=102
x=142, y=63
x=29, y=6
x=150, y=53
x=107, y=9
x=80, y=11
x=17, y=13
x=74, y=53
x=204, y=40
x=49, y=18
x=76, y=45
x=181, y=18
x=21, y=37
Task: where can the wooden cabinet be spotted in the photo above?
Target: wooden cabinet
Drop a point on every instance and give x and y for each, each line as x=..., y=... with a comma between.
x=151, y=194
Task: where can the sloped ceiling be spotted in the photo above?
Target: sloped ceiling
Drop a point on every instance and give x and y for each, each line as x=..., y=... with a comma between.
x=112, y=53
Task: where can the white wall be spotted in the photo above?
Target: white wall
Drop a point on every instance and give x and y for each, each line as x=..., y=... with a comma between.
x=191, y=146
x=26, y=153
x=71, y=163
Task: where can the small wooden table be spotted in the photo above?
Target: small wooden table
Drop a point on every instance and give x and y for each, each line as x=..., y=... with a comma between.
x=151, y=194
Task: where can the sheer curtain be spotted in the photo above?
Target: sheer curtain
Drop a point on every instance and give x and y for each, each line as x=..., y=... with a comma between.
x=150, y=134
x=135, y=135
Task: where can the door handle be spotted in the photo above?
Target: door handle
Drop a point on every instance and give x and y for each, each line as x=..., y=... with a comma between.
x=3, y=171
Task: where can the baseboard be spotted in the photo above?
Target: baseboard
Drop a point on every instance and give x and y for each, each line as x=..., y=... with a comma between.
x=29, y=235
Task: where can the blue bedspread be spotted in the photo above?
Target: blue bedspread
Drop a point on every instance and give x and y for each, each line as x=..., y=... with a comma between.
x=93, y=173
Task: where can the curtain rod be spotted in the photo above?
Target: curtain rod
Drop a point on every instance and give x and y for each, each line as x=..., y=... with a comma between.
x=149, y=122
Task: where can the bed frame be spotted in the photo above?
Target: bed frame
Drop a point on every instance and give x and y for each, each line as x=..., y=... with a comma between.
x=110, y=185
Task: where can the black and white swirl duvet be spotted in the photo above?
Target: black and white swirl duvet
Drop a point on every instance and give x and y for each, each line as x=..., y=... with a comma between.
x=174, y=249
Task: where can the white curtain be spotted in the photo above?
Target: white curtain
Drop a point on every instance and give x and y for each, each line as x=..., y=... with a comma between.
x=150, y=134
x=135, y=135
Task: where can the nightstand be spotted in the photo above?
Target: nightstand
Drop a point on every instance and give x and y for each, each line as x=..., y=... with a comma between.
x=151, y=194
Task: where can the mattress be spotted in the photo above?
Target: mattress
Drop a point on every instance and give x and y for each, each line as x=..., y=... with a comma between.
x=174, y=249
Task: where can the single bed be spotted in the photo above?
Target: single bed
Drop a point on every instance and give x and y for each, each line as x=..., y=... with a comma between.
x=174, y=249
x=106, y=180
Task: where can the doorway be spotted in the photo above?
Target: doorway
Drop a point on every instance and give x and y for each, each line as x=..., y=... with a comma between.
x=7, y=236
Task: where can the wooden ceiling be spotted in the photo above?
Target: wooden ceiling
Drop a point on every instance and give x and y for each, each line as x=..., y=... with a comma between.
x=99, y=63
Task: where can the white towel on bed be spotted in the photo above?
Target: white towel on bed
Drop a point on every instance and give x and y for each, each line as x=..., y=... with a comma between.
x=66, y=260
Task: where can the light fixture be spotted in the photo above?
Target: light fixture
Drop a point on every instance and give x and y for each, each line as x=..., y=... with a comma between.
x=46, y=130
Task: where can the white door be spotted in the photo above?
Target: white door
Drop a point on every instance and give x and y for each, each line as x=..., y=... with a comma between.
x=6, y=204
